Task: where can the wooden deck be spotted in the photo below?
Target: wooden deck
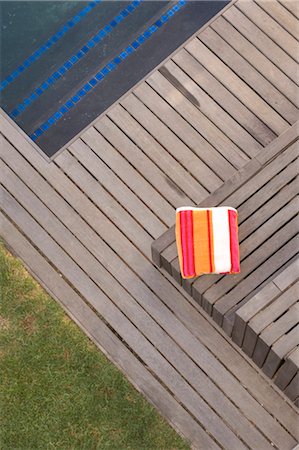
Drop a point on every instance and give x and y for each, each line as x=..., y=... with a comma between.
x=84, y=224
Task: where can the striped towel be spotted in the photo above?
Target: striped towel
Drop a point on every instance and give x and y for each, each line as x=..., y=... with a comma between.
x=207, y=240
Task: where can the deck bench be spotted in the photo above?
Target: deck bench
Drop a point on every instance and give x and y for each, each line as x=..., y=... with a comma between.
x=265, y=193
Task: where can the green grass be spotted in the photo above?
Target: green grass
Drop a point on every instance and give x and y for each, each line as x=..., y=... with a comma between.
x=57, y=391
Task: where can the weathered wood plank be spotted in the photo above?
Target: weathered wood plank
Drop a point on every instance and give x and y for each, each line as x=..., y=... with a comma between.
x=256, y=58
x=281, y=15
x=292, y=6
x=260, y=311
x=288, y=276
x=279, y=350
x=189, y=153
x=288, y=369
x=143, y=163
x=249, y=75
x=270, y=27
x=201, y=123
x=237, y=156
x=242, y=115
x=240, y=89
x=132, y=139
x=261, y=41
x=273, y=332
x=292, y=390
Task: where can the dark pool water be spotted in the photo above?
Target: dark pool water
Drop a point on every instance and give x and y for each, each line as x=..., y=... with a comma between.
x=65, y=62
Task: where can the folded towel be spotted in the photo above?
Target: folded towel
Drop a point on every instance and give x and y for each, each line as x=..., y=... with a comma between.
x=207, y=240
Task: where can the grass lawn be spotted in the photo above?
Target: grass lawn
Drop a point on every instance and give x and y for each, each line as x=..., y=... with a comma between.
x=57, y=391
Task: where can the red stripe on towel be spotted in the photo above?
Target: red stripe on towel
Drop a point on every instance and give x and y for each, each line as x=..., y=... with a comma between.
x=234, y=243
x=190, y=243
x=210, y=235
x=186, y=223
x=184, y=242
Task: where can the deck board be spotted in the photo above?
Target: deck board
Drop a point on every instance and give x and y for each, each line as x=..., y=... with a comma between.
x=84, y=225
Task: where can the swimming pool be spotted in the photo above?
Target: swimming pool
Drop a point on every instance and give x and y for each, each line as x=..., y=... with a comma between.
x=64, y=63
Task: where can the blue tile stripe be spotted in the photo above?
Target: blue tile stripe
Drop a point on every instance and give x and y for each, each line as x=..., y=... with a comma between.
x=50, y=42
x=80, y=55
x=112, y=65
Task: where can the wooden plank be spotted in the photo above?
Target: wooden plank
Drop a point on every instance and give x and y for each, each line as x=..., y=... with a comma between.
x=215, y=113
x=267, y=313
x=142, y=162
x=255, y=258
x=279, y=350
x=130, y=177
x=104, y=338
x=262, y=272
x=292, y=6
x=236, y=86
x=187, y=314
x=261, y=41
x=257, y=59
x=282, y=16
x=250, y=309
x=132, y=139
x=292, y=390
x=288, y=277
x=270, y=27
x=268, y=181
x=254, y=126
x=288, y=369
x=121, y=192
x=273, y=332
x=172, y=140
x=160, y=244
x=193, y=123
x=249, y=75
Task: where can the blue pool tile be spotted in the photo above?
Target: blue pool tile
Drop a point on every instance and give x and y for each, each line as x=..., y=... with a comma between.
x=105, y=71
x=90, y=44
x=87, y=87
x=58, y=115
x=51, y=120
x=27, y=101
x=93, y=82
x=85, y=49
x=63, y=109
x=38, y=132
x=38, y=91
x=81, y=93
x=99, y=76
x=45, y=126
x=80, y=54
x=135, y=44
x=73, y=59
x=96, y=39
x=117, y=60
x=68, y=65
x=69, y=104
x=124, y=13
x=62, y=70
x=76, y=98
x=33, y=96
x=56, y=75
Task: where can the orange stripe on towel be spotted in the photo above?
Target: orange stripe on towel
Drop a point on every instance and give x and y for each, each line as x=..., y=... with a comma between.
x=201, y=242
